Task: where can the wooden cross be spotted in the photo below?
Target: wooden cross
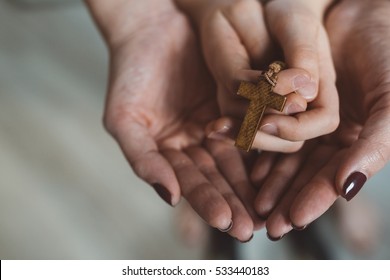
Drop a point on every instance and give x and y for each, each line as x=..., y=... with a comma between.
x=261, y=96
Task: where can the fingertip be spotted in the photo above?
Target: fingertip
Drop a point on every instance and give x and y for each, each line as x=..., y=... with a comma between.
x=242, y=230
x=297, y=80
x=262, y=207
x=278, y=226
x=223, y=129
x=312, y=202
x=163, y=192
x=294, y=108
x=269, y=138
x=176, y=198
x=171, y=195
x=359, y=163
x=220, y=125
x=228, y=228
x=309, y=91
x=221, y=221
x=353, y=185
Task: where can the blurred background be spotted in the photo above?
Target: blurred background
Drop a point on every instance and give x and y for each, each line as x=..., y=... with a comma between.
x=66, y=191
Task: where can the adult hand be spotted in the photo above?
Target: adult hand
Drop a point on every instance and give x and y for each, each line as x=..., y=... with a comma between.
x=159, y=100
x=338, y=164
x=235, y=40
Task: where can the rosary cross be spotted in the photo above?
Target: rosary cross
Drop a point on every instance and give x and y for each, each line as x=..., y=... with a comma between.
x=261, y=97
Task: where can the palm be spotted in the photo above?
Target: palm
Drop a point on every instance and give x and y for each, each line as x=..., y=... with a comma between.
x=364, y=98
x=361, y=142
x=163, y=83
x=161, y=97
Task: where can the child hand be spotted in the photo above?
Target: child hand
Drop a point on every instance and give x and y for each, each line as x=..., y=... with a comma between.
x=235, y=40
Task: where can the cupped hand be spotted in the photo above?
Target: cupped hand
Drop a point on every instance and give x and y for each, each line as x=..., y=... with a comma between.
x=160, y=98
x=300, y=187
x=241, y=35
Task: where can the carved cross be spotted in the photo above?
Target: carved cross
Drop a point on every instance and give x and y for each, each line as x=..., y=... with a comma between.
x=261, y=96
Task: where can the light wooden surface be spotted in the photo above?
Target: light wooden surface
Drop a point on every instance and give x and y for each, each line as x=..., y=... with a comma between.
x=66, y=191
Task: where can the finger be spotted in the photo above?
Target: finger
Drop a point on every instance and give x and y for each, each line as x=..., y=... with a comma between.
x=286, y=86
x=266, y=142
x=281, y=221
x=262, y=167
x=199, y=192
x=226, y=130
x=296, y=80
x=251, y=30
x=321, y=119
x=294, y=104
x=242, y=227
x=232, y=167
x=313, y=51
x=279, y=178
x=317, y=196
x=367, y=155
x=286, y=20
x=230, y=125
x=224, y=62
x=142, y=153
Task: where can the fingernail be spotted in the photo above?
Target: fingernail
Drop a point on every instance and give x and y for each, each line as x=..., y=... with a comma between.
x=298, y=228
x=220, y=134
x=300, y=81
x=294, y=108
x=308, y=91
x=353, y=185
x=270, y=129
x=274, y=238
x=228, y=228
x=163, y=193
x=250, y=238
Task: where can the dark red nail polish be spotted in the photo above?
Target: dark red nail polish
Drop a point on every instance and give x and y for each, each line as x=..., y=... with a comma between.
x=245, y=241
x=274, y=238
x=163, y=193
x=353, y=185
x=228, y=228
x=299, y=228
x=250, y=238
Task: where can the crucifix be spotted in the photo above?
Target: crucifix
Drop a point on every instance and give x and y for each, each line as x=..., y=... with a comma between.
x=261, y=97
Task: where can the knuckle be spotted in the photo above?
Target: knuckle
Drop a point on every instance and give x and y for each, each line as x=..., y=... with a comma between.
x=379, y=155
x=305, y=54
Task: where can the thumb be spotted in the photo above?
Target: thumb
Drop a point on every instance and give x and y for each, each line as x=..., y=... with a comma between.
x=367, y=155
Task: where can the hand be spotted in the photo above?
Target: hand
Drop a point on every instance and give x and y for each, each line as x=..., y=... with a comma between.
x=160, y=98
x=339, y=164
x=235, y=40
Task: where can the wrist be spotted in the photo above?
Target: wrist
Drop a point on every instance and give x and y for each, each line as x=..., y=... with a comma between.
x=118, y=19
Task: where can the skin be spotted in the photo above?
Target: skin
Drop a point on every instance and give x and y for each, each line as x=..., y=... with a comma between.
x=251, y=46
x=314, y=180
x=160, y=98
